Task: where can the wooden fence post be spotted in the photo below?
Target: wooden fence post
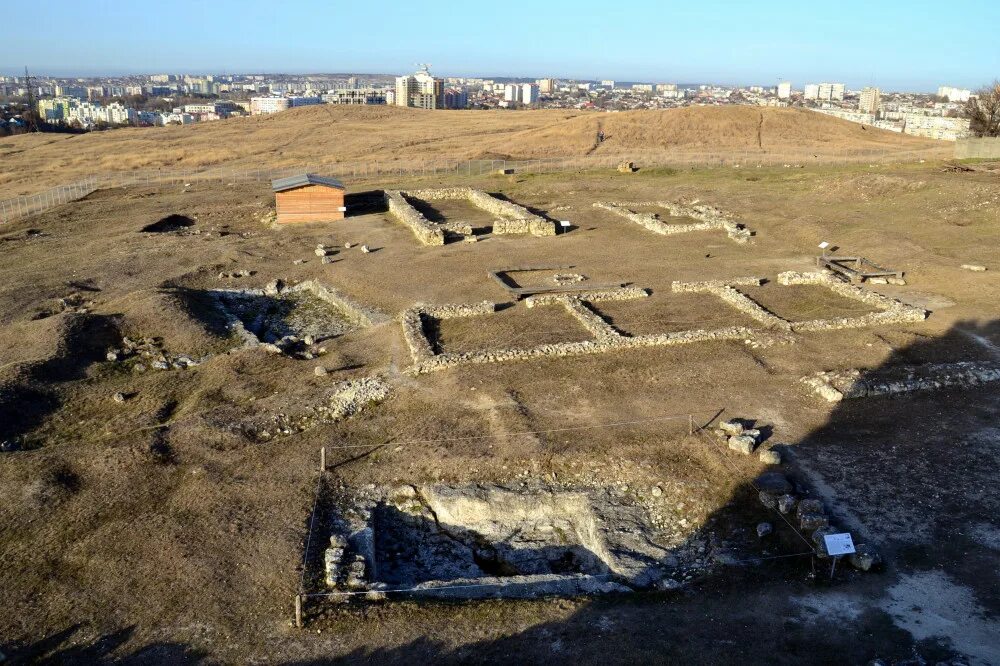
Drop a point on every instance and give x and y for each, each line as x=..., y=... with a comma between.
x=322, y=459
x=298, y=611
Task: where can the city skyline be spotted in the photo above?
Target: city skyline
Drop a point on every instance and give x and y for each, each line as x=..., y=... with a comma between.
x=895, y=45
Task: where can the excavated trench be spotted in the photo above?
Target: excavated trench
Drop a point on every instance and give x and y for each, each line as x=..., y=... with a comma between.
x=476, y=539
x=273, y=317
x=490, y=541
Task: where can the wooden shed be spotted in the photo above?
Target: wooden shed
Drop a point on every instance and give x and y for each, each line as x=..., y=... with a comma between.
x=308, y=198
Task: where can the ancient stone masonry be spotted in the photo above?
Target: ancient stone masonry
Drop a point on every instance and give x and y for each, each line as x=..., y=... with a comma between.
x=414, y=321
x=617, y=294
x=708, y=218
x=892, y=311
x=777, y=492
x=590, y=320
x=426, y=231
x=724, y=290
x=607, y=339
x=280, y=317
x=835, y=386
x=510, y=218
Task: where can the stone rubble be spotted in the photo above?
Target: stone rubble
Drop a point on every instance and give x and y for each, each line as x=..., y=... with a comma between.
x=345, y=399
x=151, y=351
x=236, y=274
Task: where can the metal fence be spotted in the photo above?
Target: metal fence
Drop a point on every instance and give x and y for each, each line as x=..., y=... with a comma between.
x=25, y=206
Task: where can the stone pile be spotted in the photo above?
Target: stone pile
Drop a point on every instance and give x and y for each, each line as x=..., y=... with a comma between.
x=346, y=399
x=148, y=351
x=236, y=274
x=707, y=218
x=740, y=438
x=835, y=386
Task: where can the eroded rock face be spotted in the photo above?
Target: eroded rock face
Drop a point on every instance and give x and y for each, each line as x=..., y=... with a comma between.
x=475, y=541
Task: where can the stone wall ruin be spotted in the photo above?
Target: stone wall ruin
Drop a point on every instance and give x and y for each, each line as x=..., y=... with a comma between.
x=510, y=218
x=707, y=218
x=834, y=386
x=606, y=338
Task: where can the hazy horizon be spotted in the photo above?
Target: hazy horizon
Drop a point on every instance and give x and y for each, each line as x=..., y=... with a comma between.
x=894, y=45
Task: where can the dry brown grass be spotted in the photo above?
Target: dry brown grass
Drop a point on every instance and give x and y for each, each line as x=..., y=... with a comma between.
x=326, y=135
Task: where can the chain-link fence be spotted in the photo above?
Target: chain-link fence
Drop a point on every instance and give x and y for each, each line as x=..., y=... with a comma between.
x=25, y=206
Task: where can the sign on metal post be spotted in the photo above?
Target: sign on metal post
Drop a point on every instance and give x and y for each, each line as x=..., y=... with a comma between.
x=839, y=544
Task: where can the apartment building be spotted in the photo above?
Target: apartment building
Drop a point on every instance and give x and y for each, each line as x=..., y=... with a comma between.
x=355, y=96
x=936, y=127
x=264, y=105
x=871, y=100
x=420, y=90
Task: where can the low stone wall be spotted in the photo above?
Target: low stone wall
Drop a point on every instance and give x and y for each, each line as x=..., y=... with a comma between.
x=892, y=311
x=425, y=231
x=565, y=349
x=510, y=217
x=620, y=294
x=837, y=385
x=590, y=320
x=708, y=218
x=414, y=318
x=737, y=299
x=412, y=321
x=358, y=314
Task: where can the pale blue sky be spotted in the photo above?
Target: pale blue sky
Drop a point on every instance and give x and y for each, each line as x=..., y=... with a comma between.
x=912, y=44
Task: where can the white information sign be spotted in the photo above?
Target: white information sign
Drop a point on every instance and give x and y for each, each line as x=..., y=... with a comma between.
x=824, y=245
x=564, y=223
x=839, y=544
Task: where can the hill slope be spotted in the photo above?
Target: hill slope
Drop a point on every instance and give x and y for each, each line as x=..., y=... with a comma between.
x=322, y=135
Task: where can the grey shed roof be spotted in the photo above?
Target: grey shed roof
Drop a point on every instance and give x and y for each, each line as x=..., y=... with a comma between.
x=290, y=183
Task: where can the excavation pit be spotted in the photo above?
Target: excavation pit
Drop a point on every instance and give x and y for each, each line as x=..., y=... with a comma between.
x=488, y=541
x=271, y=318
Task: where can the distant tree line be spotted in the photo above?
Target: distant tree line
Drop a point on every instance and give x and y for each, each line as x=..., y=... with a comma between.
x=983, y=110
